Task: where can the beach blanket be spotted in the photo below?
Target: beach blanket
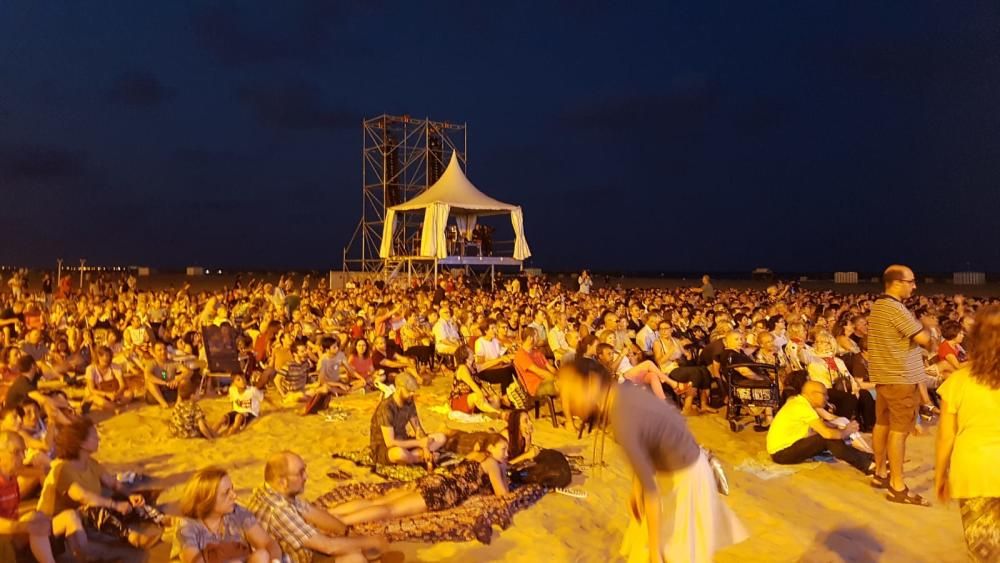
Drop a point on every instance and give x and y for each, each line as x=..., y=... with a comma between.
x=363, y=458
x=763, y=468
x=473, y=520
x=459, y=416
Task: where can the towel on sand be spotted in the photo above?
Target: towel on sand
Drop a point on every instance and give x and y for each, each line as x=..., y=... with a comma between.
x=473, y=520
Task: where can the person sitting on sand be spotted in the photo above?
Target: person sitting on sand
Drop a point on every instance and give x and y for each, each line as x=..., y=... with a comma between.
x=73, y=493
x=391, y=439
x=387, y=357
x=39, y=438
x=798, y=433
x=163, y=377
x=300, y=528
x=19, y=535
x=332, y=371
x=362, y=365
x=294, y=375
x=215, y=528
x=469, y=394
x=187, y=419
x=25, y=386
x=482, y=472
x=33, y=470
x=246, y=401
x=105, y=382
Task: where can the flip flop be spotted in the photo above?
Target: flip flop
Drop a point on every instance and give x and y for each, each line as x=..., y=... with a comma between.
x=575, y=493
x=904, y=497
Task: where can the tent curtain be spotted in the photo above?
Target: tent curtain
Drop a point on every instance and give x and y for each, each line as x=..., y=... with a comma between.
x=432, y=239
x=385, y=249
x=465, y=223
x=521, y=250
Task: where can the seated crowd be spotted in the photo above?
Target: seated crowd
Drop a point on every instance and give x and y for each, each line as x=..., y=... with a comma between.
x=97, y=350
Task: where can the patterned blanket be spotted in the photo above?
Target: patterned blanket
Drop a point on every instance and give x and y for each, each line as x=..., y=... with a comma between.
x=363, y=458
x=473, y=520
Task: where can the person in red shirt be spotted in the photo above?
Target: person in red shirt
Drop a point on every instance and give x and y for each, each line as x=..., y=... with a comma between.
x=31, y=532
x=537, y=374
x=950, y=353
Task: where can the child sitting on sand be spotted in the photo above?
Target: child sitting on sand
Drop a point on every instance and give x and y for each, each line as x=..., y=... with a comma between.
x=330, y=377
x=246, y=407
x=187, y=419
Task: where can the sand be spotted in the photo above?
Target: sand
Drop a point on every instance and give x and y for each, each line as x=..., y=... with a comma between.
x=821, y=512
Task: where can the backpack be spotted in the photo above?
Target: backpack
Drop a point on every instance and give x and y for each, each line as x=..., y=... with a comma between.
x=550, y=469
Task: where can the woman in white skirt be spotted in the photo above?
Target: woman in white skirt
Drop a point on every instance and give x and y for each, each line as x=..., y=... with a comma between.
x=675, y=505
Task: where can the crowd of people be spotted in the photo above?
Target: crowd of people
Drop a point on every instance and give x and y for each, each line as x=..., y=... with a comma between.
x=844, y=364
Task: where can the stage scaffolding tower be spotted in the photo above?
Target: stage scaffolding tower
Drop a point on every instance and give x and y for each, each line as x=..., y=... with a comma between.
x=401, y=156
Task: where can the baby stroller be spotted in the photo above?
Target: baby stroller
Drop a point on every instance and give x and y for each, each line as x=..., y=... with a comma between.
x=745, y=394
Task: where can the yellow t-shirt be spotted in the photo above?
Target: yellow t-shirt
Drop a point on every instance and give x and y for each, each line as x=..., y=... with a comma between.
x=791, y=424
x=976, y=455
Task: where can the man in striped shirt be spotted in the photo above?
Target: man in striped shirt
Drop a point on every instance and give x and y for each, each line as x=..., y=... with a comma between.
x=896, y=367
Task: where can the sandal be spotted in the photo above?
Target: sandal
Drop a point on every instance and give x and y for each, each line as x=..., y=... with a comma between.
x=905, y=497
x=879, y=482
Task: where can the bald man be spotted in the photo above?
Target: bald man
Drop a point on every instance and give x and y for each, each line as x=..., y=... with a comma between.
x=896, y=367
x=797, y=433
x=301, y=528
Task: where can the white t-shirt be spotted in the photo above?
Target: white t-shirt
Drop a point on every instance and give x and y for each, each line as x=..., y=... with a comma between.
x=329, y=367
x=247, y=402
x=488, y=349
x=645, y=338
x=791, y=424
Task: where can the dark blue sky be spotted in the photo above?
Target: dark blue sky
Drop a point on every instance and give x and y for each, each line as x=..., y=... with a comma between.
x=812, y=136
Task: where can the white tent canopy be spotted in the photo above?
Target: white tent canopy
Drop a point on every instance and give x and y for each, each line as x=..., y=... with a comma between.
x=452, y=195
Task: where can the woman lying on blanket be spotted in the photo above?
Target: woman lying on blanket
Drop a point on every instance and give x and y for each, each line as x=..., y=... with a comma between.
x=518, y=432
x=481, y=472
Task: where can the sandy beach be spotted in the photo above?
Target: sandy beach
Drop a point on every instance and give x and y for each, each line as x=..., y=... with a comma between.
x=815, y=512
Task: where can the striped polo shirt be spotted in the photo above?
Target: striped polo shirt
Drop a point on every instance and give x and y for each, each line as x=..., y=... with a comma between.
x=893, y=356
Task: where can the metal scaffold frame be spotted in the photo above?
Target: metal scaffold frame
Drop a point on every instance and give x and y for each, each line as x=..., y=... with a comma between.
x=401, y=156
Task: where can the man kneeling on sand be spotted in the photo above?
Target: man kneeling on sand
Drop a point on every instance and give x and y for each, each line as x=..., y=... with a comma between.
x=300, y=528
x=392, y=441
x=797, y=433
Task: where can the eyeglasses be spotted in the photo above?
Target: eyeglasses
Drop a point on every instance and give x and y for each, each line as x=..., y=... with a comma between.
x=911, y=280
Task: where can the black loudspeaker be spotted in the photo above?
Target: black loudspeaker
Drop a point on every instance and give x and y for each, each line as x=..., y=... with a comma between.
x=435, y=159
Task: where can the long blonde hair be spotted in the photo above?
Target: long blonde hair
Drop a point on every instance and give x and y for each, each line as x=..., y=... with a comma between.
x=201, y=491
x=983, y=343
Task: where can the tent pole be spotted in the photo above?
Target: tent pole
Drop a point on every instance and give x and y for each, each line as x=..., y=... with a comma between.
x=435, y=272
x=493, y=282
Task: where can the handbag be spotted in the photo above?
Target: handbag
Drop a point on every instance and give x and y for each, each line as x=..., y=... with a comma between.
x=549, y=468
x=721, y=481
x=517, y=396
x=223, y=552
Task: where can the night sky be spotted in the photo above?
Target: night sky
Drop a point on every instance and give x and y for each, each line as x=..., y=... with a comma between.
x=801, y=136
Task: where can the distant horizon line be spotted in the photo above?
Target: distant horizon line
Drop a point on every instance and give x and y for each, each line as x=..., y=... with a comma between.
x=863, y=275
